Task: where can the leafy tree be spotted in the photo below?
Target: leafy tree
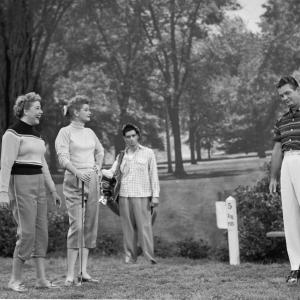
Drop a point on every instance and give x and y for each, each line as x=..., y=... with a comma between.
x=26, y=29
x=172, y=28
x=121, y=47
x=280, y=28
x=246, y=93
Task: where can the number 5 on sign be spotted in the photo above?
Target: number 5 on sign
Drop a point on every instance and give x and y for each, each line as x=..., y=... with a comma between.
x=227, y=219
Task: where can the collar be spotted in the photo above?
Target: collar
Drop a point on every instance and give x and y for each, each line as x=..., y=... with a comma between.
x=77, y=124
x=139, y=146
x=24, y=124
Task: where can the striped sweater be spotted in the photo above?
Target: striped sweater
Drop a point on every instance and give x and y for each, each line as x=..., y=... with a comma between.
x=287, y=131
x=22, y=153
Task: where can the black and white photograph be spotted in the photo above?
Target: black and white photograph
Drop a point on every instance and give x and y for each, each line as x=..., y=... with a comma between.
x=149, y=149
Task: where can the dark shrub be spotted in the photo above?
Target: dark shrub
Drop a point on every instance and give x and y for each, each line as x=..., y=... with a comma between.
x=193, y=248
x=8, y=230
x=258, y=213
x=221, y=253
x=163, y=248
x=58, y=225
x=108, y=244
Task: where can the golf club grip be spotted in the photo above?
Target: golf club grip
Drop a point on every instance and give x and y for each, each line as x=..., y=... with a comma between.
x=82, y=194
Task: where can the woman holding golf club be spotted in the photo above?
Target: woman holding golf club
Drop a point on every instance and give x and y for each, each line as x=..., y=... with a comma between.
x=24, y=176
x=81, y=154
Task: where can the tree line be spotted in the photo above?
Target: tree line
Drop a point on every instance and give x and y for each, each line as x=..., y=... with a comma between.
x=180, y=69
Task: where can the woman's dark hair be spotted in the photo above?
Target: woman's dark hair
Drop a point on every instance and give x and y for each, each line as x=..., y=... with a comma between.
x=76, y=103
x=24, y=102
x=129, y=127
x=287, y=80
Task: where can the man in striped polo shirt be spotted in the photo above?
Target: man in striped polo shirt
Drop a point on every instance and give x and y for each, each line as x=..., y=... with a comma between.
x=286, y=161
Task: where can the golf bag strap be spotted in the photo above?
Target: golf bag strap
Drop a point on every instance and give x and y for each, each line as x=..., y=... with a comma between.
x=120, y=158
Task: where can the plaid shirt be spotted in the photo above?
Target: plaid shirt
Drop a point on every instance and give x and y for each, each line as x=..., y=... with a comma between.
x=287, y=131
x=139, y=174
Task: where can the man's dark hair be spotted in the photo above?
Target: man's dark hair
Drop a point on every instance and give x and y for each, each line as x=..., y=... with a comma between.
x=129, y=127
x=287, y=80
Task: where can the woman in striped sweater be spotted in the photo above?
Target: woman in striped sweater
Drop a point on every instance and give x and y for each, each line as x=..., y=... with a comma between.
x=23, y=177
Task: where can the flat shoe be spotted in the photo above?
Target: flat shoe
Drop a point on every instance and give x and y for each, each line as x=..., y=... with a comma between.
x=51, y=285
x=88, y=280
x=17, y=287
x=72, y=283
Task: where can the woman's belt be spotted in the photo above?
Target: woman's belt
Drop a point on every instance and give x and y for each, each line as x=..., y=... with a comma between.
x=24, y=169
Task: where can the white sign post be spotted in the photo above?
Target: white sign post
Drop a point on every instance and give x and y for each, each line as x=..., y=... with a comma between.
x=227, y=219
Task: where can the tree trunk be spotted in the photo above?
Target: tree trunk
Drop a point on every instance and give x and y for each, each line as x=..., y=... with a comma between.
x=119, y=140
x=192, y=144
x=168, y=142
x=192, y=135
x=19, y=51
x=209, y=150
x=174, y=117
x=198, y=147
x=52, y=157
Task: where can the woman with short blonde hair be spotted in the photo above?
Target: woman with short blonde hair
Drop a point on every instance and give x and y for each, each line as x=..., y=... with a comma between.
x=24, y=175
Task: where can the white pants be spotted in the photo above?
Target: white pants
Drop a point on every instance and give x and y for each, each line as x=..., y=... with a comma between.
x=290, y=195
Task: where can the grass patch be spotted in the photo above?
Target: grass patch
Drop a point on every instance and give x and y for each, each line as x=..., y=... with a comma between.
x=171, y=278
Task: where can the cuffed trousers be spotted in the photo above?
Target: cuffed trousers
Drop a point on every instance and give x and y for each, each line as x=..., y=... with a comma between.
x=29, y=206
x=73, y=194
x=290, y=194
x=136, y=226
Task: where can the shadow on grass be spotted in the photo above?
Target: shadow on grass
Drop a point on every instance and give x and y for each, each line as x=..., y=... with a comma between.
x=209, y=174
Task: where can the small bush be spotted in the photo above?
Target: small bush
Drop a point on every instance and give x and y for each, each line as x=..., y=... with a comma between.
x=58, y=225
x=194, y=249
x=108, y=244
x=8, y=229
x=258, y=213
x=163, y=248
x=221, y=253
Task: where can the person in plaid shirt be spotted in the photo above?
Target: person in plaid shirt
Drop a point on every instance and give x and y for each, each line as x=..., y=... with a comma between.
x=139, y=194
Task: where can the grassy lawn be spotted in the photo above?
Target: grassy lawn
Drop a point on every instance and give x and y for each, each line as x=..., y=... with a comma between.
x=173, y=278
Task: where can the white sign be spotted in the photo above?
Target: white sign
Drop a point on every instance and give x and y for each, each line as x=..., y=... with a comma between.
x=221, y=214
x=227, y=219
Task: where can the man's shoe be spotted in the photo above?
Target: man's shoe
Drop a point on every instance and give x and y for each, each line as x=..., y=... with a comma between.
x=129, y=260
x=293, y=278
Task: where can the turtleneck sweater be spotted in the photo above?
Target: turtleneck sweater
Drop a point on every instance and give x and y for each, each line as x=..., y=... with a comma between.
x=22, y=153
x=79, y=146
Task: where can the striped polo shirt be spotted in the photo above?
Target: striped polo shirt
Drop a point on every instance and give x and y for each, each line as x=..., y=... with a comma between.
x=287, y=131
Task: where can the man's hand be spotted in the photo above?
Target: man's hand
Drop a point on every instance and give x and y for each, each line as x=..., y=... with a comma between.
x=56, y=199
x=154, y=202
x=4, y=200
x=273, y=186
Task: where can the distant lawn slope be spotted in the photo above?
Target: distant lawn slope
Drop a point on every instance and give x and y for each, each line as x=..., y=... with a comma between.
x=187, y=206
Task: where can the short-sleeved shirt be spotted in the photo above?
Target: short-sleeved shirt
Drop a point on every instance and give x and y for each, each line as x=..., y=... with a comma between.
x=287, y=131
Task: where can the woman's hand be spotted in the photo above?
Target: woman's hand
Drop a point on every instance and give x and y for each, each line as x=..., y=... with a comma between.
x=56, y=199
x=83, y=176
x=4, y=200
